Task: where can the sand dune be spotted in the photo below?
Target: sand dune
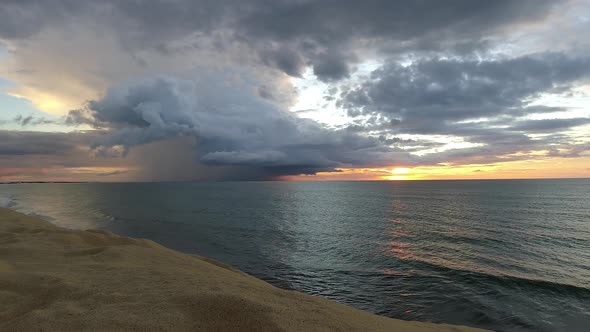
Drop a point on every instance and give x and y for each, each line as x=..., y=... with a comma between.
x=65, y=280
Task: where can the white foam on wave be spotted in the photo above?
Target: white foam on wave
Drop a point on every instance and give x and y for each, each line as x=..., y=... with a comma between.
x=9, y=202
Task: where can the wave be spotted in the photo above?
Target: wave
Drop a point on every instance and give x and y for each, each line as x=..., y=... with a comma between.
x=40, y=216
x=504, y=280
x=6, y=201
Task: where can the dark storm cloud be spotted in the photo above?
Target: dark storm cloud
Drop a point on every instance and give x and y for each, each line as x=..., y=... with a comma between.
x=325, y=32
x=230, y=125
x=333, y=24
x=335, y=20
x=286, y=34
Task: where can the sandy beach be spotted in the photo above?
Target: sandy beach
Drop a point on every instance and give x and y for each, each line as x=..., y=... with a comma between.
x=55, y=279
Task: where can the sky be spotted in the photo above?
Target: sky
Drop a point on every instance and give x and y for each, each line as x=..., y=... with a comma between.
x=301, y=90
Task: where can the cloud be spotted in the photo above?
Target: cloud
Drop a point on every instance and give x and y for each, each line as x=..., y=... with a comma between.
x=429, y=91
x=109, y=42
x=31, y=120
x=285, y=59
x=288, y=35
x=486, y=103
x=230, y=126
x=549, y=125
x=331, y=67
x=19, y=143
x=209, y=84
x=38, y=156
x=258, y=158
x=327, y=32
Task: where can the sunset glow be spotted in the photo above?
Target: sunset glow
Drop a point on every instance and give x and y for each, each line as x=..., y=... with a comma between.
x=551, y=168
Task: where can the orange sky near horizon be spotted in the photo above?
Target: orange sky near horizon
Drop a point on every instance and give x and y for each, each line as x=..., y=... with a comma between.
x=528, y=169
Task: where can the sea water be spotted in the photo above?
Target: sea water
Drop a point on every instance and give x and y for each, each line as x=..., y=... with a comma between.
x=507, y=255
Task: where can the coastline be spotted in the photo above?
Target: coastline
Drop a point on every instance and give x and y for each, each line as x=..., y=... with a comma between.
x=53, y=278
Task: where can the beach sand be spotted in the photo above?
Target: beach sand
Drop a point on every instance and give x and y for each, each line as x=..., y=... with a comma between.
x=56, y=279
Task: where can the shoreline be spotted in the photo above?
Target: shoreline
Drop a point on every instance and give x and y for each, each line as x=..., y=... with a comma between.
x=52, y=278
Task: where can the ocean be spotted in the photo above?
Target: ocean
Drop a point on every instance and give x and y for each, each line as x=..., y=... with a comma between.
x=507, y=255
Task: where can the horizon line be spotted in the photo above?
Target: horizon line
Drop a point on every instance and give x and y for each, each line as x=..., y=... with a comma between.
x=278, y=180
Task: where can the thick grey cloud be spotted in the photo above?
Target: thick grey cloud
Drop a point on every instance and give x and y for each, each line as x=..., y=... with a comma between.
x=334, y=20
x=325, y=30
x=286, y=34
x=288, y=60
x=331, y=67
x=549, y=125
x=35, y=143
x=429, y=91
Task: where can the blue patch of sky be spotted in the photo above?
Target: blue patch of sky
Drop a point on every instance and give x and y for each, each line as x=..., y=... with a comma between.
x=12, y=107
